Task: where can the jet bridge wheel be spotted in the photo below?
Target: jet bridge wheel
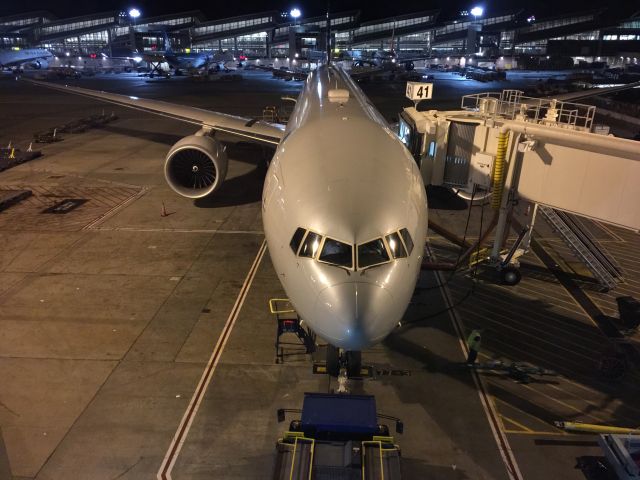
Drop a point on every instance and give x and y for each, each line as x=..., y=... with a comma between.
x=510, y=275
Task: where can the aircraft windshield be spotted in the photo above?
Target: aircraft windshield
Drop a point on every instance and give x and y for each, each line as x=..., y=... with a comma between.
x=372, y=253
x=392, y=246
x=310, y=245
x=396, y=246
x=296, y=239
x=337, y=253
x=406, y=236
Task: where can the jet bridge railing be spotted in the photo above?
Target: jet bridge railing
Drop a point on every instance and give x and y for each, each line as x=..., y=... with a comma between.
x=512, y=105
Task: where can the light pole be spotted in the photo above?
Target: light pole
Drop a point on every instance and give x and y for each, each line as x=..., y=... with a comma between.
x=134, y=13
x=295, y=14
x=477, y=12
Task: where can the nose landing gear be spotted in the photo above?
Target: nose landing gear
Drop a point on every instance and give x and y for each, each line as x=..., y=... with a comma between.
x=339, y=359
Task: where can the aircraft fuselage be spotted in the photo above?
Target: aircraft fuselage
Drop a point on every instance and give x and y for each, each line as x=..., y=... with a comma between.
x=340, y=173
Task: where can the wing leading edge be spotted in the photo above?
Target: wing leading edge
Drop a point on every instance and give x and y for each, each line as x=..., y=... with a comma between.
x=251, y=129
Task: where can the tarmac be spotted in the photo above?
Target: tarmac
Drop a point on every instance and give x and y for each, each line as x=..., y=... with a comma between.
x=139, y=318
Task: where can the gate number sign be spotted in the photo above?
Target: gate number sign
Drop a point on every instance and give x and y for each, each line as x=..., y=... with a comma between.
x=419, y=91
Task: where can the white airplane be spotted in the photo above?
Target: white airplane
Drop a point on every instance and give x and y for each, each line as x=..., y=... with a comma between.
x=344, y=205
x=189, y=61
x=34, y=57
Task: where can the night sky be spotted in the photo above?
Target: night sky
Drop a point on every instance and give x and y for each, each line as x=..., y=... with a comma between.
x=371, y=10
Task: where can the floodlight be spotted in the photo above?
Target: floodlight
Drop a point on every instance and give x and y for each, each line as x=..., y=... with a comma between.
x=477, y=11
x=295, y=12
x=134, y=13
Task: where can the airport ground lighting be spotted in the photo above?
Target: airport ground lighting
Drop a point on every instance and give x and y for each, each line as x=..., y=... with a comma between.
x=477, y=12
x=134, y=13
x=295, y=13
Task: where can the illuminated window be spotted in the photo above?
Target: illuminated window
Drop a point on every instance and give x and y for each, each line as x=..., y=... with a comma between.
x=372, y=253
x=337, y=253
x=310, y=245
x=432, y=149
x=296, y=239
x=395, y=245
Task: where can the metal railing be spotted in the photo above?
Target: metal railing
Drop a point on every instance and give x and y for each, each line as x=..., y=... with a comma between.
x=597, y=260
x=513, y=105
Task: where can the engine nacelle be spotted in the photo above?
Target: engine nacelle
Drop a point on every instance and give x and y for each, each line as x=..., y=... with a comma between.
x=196, y=166
x=40, y=63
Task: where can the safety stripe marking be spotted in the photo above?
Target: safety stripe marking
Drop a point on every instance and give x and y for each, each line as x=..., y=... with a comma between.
x=185, y=425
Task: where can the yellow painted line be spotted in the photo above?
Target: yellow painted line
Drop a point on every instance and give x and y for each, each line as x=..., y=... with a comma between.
x=523, y=412
x=532, y=432
x=517, y=424
x=570, y=407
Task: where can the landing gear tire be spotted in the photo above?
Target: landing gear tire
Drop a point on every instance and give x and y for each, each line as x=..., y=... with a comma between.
x=354, y=363
x=333, y=361
x=510, y=276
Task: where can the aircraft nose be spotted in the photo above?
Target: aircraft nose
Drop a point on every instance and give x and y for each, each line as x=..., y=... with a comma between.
x=354, y=315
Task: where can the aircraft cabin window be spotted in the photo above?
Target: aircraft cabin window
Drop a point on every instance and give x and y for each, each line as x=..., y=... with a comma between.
x=406, y=236
x=396, y=246
x=310, y=245
x=296, y=239
x=372, y=253
x=337, y=253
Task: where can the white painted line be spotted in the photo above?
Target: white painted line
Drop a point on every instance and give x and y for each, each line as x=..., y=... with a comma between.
x=164, y=473
x=111, y=212
x=508, y=457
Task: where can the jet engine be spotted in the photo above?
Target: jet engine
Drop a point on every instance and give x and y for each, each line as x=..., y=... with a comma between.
x=40, y=63
x=196, y=166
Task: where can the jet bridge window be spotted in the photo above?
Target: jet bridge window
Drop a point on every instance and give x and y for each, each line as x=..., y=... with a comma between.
x=336, y=253
x=395, y=245
x=310, y=245
x=372, y=253
x=406, y=236
x=296, y=239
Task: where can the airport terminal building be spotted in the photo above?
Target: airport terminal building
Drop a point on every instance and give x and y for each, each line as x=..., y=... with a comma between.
x=593, y=36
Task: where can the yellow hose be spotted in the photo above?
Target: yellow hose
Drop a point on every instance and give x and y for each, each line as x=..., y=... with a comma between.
x=590, y=428
x=499, y=170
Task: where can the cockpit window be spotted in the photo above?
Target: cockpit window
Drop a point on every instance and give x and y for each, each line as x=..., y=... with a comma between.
x=406, y=236
x=310, y=245
x=337, y=253
x=395, y=245
x=296, y=239
x=372, y=253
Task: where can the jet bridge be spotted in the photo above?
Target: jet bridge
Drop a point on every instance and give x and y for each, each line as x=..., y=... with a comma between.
x=544, y=151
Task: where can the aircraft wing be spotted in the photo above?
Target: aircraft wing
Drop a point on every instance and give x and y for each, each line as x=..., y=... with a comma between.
x=243, y=127
x=570, y=97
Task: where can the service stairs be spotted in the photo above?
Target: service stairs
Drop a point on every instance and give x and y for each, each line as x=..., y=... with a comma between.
x=601, y=264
